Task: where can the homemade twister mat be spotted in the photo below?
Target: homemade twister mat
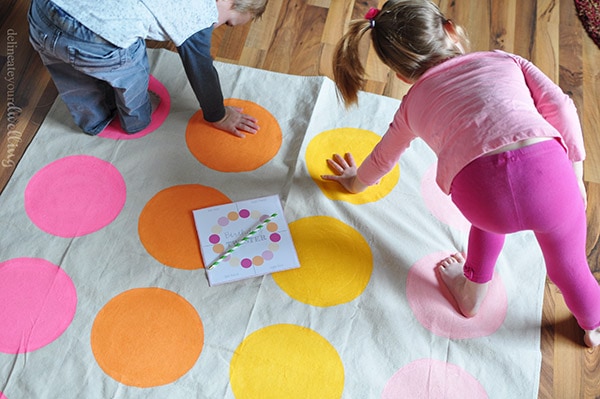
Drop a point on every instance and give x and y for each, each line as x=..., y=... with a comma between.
x=103, y=292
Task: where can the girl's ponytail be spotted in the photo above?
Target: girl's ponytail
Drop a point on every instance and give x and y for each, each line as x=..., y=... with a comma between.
x=348, y=71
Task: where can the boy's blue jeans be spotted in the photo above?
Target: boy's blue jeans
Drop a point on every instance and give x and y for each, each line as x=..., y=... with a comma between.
x=95, y=79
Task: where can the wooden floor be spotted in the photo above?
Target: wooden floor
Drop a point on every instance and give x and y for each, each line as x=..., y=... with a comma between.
x=298, y=37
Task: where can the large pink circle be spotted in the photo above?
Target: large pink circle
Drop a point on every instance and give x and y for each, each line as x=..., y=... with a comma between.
x=440, y=204
x=37, y=304
x=436, y=310
x=430, y=378
x=75, y=196
x=114, y=131
x=2, y=396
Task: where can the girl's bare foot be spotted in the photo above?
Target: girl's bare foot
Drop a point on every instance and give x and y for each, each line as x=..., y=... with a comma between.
x=592, y=337
x=468, y=295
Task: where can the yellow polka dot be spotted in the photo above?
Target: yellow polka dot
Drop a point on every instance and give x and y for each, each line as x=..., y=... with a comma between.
x=286, y=361
x=273, y=246
x=359, y=142
x=147, y=337
x=335, y=262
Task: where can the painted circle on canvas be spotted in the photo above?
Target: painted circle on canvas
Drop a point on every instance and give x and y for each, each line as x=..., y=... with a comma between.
x=336, y=262
x=38, y=304
x=75, y=195
x=435, y=308
x=439, y=204
x=147, y=337
x=225, y=152
x=359, y=142
x=286, y=361
x=114, y=130
x=166, y=225
x=430, y=378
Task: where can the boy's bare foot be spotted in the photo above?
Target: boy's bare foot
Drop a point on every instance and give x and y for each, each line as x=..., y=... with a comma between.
x=468, y=295
x=592, y=337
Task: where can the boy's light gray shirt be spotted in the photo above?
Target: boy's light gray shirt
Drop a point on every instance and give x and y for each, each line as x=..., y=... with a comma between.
x=122, y=22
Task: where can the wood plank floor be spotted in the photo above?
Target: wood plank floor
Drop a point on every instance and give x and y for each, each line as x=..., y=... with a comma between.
x=298, y=37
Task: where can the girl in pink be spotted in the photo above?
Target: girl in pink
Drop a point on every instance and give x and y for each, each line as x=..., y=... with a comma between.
x=508, y=141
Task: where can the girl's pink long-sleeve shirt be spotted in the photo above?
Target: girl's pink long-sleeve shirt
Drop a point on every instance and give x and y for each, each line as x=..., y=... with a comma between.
x=471, y=105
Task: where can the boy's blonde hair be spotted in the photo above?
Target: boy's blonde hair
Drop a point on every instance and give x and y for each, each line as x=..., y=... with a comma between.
x=407, y=35
x=254, y=7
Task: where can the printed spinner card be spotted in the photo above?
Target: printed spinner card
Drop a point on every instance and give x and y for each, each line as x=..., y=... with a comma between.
x=269, y=250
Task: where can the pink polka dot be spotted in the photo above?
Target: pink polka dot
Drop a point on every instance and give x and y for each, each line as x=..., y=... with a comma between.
x=429, y=378
x=2, y=396
x=436, y=310
x=246, y=263
x=244, y=213
x=223, y=221
x=268, y=255
x=214, y=238
x=38, y=304
x=75, y=196
x=440, y=204
x=275, y=237
x=114, y=131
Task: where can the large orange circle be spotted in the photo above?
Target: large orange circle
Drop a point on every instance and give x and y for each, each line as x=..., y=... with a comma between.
x=166, y=225
x=147, y=337
x=224, y=152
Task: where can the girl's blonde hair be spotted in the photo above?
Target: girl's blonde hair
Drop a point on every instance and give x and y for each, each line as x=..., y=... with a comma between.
x=254, y=7
x=407, y=35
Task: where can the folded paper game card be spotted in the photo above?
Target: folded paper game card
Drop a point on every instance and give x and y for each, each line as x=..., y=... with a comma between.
x=244, y=239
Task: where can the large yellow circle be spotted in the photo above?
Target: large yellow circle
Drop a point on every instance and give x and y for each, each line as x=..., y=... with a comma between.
x=286, y=361
x=359, y=142
x=147, y=337
x=335, y=262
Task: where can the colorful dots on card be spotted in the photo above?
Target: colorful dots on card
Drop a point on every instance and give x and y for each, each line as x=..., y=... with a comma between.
x=429, y=378
x=336, y=262
x=75, y=196
x=147, y=337
x=38, y=304
x=166, y=224
x=435, y=308
x=359, y=142
x=222, y=151
x=218, y=241
x=114, y=130
x=439, y=204
x=286, y=361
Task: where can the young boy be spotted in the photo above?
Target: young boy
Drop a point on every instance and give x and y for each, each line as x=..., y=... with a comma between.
x=96, y=54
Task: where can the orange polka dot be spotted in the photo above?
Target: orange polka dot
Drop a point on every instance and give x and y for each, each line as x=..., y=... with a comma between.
x=226, y=153
x=147, y=337
x=166, y=225
x=272, y=227
x=218, y=248
x=233, y=216
x=258, y=260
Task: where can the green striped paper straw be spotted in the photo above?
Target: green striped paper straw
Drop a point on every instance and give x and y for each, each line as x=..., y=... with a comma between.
x=242, y=240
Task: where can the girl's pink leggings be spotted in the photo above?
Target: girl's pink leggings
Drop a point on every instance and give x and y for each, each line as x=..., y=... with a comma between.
x=531, y=188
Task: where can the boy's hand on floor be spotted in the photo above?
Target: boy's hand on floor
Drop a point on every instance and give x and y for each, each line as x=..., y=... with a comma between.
x=237, y=123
